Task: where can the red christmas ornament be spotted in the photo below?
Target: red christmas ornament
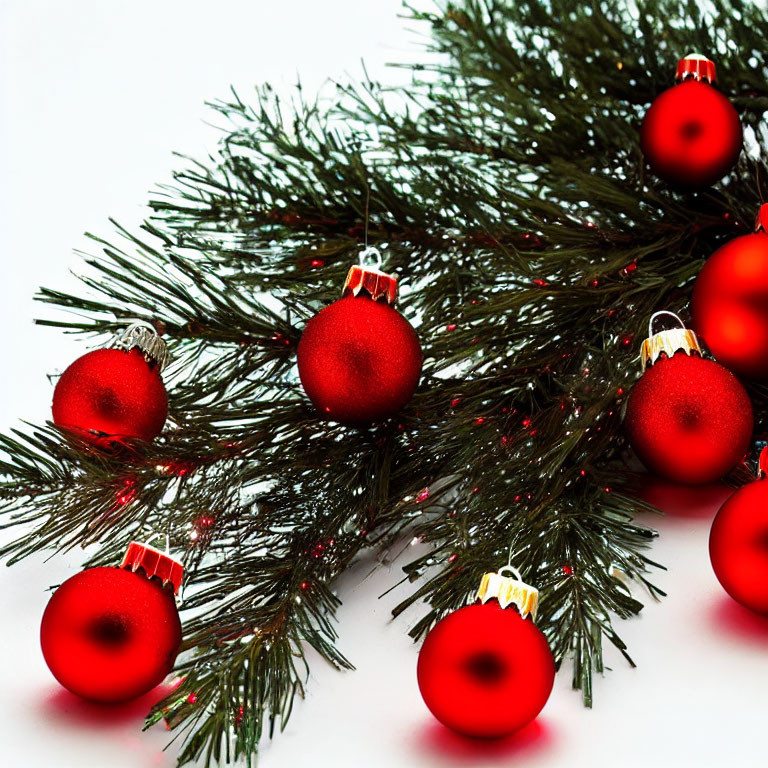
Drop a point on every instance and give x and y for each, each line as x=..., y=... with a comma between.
x=691, y=135
x=108, y=395
x=688, y=419
x=730, y=302
x=486, y=670
x=359, y=358
x=738, y=543
x=111, y=634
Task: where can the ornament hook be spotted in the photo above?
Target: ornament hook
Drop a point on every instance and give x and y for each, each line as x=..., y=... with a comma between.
x=157, y=534
x=658, y=314
x=370, y=257
x=134, y=325
x=512, y=570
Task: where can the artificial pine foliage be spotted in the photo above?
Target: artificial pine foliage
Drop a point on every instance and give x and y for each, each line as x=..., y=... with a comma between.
x=506, y=189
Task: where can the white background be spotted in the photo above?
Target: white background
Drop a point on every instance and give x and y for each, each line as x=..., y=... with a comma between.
x=94, y=97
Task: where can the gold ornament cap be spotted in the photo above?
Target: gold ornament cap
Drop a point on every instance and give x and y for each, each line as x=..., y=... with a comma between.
x=509, y=590
x=696, y=67
x=143, y=336
x=667, y=342
x=367, y=277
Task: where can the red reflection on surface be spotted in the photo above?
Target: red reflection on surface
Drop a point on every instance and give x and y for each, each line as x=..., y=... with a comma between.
x=733, y=619
x=434, y=738
x=60, y=704
x=693, y=501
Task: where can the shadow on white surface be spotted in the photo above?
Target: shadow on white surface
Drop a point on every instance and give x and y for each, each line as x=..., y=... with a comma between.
x=58, y=705
x=738, y=623
x=448, y=748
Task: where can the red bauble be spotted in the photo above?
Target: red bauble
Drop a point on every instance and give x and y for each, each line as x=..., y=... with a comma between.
x=689, y=419
x=691, y=135
x=730, y=303
x=738, y=546
x=110, y=634
x=110, y=394
x=484, y=671
x=359, y=360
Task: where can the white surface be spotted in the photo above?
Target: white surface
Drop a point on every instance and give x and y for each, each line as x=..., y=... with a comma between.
x=94, y=97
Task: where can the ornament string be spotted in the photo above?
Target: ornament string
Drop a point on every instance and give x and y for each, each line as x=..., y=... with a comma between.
x=509, y=567
x=370, y=256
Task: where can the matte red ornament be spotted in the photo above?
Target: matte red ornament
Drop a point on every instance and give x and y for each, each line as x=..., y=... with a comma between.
x=359, y=358
x=688, y=419
x=691, y=136
x=111, y=634
x=485, y=671
x=108, y=395
x=738, y=544
x=730, y=303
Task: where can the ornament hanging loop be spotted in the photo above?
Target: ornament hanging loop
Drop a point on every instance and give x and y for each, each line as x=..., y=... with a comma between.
x=370, y=258
x=511, y=569
x=158, y=535
x=659, y=314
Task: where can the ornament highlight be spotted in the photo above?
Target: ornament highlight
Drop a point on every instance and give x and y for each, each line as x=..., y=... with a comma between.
x=691, y=136
x=486, y=670
x=359, y=359
x=112, y=394
x=730, y=302
x=688, y=419
x=738, y=543
x=112, y=634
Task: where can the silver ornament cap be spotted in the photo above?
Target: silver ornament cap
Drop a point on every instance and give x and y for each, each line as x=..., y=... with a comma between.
x=143, y=336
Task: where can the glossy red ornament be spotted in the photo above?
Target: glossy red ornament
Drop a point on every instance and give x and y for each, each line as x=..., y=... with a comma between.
x=730, y=302
x=110, y=394
x=111, y=634
x=359, y=358
x=485, y=671
x=738, y=544
x=691, y=136
x=688, y=419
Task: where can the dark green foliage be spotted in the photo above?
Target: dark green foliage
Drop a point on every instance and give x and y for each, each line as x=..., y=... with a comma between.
x=508, y=192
